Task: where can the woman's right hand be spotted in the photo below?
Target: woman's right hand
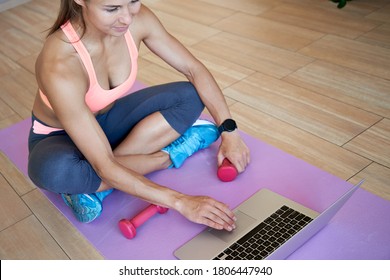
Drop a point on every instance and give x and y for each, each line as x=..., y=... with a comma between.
x=206, y=210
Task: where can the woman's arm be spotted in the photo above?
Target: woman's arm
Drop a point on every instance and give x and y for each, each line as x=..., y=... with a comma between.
x=158, y=40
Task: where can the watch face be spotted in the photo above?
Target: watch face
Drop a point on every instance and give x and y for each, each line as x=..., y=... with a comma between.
x=229, y=125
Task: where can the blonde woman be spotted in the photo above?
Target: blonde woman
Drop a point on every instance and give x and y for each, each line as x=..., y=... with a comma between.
x=89, y=136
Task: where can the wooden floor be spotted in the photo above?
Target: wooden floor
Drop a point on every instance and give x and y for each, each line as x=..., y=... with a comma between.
x=301, y=75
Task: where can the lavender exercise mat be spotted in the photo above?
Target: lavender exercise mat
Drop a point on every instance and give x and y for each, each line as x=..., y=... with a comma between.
x=361, y=230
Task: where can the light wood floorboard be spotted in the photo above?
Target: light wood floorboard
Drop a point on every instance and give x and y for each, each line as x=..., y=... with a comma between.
x=345, y=85
x=335, y=122
x=374, y=143
x=359, y=56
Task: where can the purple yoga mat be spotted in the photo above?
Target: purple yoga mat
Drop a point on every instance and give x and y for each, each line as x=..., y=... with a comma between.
x=361, y=230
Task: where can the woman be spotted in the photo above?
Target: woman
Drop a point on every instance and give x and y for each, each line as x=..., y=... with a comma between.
x=89, y=137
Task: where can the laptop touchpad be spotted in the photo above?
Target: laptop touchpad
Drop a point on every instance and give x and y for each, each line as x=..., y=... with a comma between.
x=242, y=224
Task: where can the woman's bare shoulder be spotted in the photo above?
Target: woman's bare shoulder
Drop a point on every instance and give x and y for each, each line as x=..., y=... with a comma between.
x=57, y=52
x=58, y=58
x=144, y=23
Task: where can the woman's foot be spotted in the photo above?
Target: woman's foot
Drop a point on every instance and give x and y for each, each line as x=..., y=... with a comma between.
x=102, y=195
x=199, y=136
x=85, y=207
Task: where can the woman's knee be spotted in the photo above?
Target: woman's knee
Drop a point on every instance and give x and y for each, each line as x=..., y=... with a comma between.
x=62, y=172
x=47, y=170
x=187, y=108
x=191, y=95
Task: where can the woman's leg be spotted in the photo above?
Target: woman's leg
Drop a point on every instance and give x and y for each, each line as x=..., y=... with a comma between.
x=138, y=126
x=141, y=124
x=147, y=158
x=55, y=164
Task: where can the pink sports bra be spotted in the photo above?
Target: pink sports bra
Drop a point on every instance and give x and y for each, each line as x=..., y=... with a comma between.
x=96, y=97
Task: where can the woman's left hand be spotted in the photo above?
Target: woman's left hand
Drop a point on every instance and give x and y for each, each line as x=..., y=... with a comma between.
x=235, y=150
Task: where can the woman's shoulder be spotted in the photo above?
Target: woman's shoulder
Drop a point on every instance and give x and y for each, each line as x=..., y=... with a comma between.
x=57, y=47
x=145, y=22
x=57, y=54
x=58, y=61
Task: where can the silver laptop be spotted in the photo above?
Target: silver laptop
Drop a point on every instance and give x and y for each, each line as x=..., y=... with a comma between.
x=269, y=226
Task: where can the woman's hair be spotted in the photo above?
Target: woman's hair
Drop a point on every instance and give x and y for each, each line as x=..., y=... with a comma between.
x=69, y=10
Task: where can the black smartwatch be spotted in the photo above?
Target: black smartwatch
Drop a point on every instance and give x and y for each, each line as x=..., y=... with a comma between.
x=228, y=125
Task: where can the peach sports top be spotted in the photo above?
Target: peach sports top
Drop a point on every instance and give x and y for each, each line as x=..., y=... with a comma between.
x=96, y=97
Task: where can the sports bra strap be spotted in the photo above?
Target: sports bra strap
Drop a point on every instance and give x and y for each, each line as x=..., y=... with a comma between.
x=75, y=40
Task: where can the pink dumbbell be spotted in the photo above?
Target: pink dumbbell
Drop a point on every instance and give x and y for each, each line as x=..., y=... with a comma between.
x=128, y=227
x=227, y=172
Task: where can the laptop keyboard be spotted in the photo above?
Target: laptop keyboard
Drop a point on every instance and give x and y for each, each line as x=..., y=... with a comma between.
x=267, y=236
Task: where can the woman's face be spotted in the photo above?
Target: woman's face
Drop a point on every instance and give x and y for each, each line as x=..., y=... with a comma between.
x=112, y=17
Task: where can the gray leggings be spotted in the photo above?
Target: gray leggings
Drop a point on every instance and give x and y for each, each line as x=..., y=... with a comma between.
x=55, y=163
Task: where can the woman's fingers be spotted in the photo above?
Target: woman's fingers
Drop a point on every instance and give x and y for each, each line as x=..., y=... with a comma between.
x=217, y=221
x=218, y=215
x=208, y=211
